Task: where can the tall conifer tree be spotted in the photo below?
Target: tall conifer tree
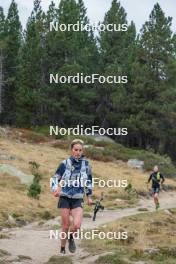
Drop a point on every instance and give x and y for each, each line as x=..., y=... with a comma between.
x=13, y=31
x=2, y=46
x=70, y=53
x=32, y=69
x=2, y=24
x=116, y=49
x=154, y=83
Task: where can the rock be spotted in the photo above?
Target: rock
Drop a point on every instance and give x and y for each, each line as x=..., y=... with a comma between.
x=167, y=212
x=2, y=131
x=98, y=138
x=20, y=222
x=119, y=200
x=151, y=250
x=92, y=146
x=7, y=157
x=11, y=220
x=135, y=163
x=100, y=148
x=13, y=171
x=88, y=146
x=143, y=209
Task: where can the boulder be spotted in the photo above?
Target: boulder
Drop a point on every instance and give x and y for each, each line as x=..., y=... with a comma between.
x=135, y=163
x=168, y=212
x=142, y=209
x=88, y=146
x=20, y=222
x=98, y=138
x=6, y=157
x=152, y=250
x=11, y=220
x=2, y=131
x=92, y=146
x=13, y=171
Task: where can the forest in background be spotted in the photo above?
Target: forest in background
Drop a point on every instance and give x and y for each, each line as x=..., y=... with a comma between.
x=146, y=105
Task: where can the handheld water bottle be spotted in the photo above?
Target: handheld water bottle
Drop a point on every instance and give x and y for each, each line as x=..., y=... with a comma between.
x=53, y=184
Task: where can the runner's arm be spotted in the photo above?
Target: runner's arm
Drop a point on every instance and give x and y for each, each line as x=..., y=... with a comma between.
x=56, y=179
x=162, y=178
x=149, y=179
x=60, y=171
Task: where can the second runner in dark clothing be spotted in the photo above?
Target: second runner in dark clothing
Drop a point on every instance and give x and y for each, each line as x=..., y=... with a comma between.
x=157, y=178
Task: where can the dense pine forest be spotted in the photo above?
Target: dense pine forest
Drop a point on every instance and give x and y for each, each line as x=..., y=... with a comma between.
x=146, y=104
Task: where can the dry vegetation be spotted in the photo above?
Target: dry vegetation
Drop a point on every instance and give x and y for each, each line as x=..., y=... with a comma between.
x=151, y=237
x=13, y=195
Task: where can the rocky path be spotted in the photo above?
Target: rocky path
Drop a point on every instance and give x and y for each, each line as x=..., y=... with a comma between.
x=33, y=240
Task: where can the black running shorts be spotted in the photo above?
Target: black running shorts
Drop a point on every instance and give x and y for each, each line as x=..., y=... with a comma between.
x=155, y=190
x=70, y=203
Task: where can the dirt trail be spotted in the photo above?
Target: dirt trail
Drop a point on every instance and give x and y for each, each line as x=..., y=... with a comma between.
x=33, y=240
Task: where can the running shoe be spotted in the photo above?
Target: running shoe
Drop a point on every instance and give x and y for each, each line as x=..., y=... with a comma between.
x=62, y=251
x=157, y=206
x=71, y=244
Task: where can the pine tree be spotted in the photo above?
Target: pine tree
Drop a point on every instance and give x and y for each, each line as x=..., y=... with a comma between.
x=113, y=42
x=154, y=83
x=69, y=53
x=88, y=59
x=11, y=62
x=65, y=53
x=2, y=46
x=30, y=108
x=2, y=24
x=116, y=49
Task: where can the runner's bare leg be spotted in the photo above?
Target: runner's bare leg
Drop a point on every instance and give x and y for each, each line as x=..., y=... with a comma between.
x=65, y=218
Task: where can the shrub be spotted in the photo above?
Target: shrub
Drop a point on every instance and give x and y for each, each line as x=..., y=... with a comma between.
x=35, y=188
x=98, y=154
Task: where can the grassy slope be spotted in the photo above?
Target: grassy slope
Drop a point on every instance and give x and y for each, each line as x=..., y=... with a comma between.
x=13, y=198
x=150, y=230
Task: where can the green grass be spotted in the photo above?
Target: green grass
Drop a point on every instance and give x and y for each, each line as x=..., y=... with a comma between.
x=146, y=230
x=111, y=259
x=125, y=256
x=42, y=130
x=164, y=255
x=59, y=259
x=45, y=130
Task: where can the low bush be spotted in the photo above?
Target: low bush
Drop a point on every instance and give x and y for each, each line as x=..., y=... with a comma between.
x=34, y=189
